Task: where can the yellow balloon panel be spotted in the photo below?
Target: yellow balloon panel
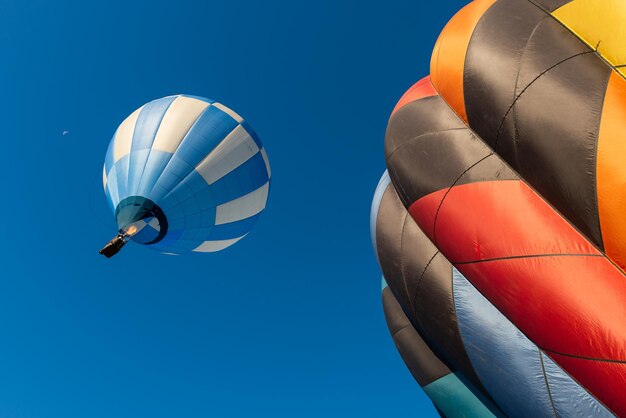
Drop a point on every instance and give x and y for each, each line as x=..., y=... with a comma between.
x=598, y=23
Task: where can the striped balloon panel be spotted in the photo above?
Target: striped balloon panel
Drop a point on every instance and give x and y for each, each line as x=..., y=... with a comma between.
x=501, y=354
x=451, y=393
x=542, y=82
x=424, y=293
x=200, y=162
x=512, y=371
x=512, y=245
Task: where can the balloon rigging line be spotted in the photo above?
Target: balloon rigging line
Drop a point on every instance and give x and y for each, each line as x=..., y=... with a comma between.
x=406, y=286
x=495, y=146
x=514, y=257
x=448, y=191
x=604, y=360
x=419, y=281
x=545, y=378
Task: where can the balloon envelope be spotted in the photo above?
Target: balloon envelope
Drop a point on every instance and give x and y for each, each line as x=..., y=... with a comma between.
x=501, y=233
x=185, y=173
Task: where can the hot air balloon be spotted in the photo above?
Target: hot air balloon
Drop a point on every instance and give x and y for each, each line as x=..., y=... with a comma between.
x=184, y=173
x=500, y=229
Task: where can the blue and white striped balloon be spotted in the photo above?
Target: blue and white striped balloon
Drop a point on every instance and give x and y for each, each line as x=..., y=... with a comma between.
x=184, y=173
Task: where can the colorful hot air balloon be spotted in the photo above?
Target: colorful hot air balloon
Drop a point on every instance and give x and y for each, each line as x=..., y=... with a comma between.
x=501, y=232
x=185, y=173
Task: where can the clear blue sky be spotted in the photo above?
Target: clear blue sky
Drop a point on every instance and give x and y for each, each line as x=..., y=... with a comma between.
x=286, y=323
